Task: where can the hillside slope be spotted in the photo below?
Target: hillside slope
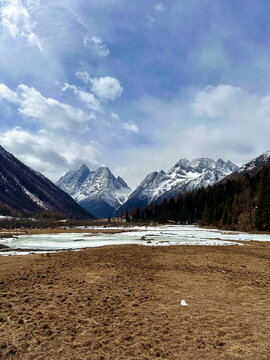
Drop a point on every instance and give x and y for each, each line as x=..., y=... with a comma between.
x=22, y=188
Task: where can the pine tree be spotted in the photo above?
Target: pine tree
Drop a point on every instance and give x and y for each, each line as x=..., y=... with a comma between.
x=225, y=216
x=263, y=207
x=127, y=215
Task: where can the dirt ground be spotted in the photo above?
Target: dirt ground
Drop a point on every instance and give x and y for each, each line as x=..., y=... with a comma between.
x=124, y=302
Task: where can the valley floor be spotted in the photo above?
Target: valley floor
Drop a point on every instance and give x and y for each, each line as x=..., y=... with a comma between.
x=124, y=302
x=81, y=237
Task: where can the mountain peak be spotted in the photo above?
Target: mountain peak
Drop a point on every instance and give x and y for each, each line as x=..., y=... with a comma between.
x=122, y=181
x=83, y=168
x=222, y=162
x=203, y=163
x=98, y=190
x=232, y=166
x=104, y=169
x=183, y=176
x=182, y=163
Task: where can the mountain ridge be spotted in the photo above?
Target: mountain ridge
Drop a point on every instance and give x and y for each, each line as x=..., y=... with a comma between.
x=97, y=191
x=252, y=166
x=23, y=188
x=241, y=201
x=183, y=176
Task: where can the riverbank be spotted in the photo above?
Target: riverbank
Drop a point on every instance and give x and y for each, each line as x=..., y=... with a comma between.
x=124, y=302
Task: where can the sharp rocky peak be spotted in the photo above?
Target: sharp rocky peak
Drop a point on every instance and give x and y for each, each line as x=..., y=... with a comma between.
x=82, y=168
x=182, y=163
x=98, y=190
x=122, y=181
x=185, y=175
x=202, y=164
x=103, y=170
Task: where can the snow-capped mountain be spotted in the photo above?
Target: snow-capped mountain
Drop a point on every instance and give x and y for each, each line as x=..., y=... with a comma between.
x=185, y=175
x=23, y=188
x=255, y=164
x=98, y=191
x=252, y=166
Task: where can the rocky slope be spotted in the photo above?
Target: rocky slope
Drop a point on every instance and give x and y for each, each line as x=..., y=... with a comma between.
x=22, y=188
x=252, y=166
x=185, y=175
x=98, y=191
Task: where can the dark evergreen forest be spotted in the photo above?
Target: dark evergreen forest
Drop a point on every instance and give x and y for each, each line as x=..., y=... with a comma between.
x=241, y=204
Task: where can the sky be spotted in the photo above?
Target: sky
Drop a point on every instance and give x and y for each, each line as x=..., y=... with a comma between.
x=133, y=85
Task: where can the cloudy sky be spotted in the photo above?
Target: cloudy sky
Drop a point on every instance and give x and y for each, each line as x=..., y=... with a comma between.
x=133, y=85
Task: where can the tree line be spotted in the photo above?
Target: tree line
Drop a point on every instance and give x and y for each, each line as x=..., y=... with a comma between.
x=240, y=204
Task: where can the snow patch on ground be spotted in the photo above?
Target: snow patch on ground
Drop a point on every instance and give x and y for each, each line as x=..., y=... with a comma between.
x=34, y=198
x=148, y=236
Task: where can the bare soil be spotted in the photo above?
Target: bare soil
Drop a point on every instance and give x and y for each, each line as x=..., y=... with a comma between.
x=124, y=302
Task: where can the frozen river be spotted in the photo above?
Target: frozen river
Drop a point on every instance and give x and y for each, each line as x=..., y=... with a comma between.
x=149, y=236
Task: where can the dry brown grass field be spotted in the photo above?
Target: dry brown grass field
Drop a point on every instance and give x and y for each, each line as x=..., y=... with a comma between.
x=124, y=302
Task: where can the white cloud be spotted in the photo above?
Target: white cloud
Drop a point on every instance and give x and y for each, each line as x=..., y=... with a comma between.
x=8, y=94
x=96, y=45
x=18, y=21
x=105, y=88
x=221, y=121
x=159, y=7
x=34, y=40
x=47, y=152
x=91, y=101
x=47, y=111
x=214, y=101
x=84, y=76
x=131, y=127
x=115, y=116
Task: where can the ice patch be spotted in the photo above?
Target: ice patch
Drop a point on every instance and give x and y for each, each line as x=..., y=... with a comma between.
x=166, y=235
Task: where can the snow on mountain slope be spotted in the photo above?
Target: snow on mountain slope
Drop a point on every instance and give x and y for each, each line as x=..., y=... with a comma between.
x=98, y=191
x=22, y=188
x=184, y=175
x=255, y=164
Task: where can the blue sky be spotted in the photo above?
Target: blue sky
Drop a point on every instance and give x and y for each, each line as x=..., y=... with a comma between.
x=133, y=85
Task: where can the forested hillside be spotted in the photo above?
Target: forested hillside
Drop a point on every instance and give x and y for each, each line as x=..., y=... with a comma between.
x=240, y=204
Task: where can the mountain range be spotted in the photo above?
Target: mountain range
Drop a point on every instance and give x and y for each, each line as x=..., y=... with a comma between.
x=183, y=176
x=241, y=201
x=101, y=193
x=98, y=191
x=22, y=188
